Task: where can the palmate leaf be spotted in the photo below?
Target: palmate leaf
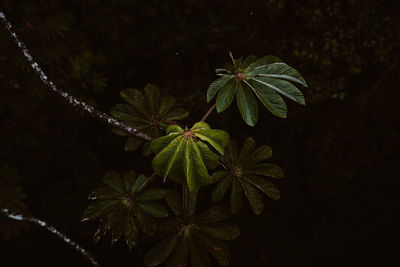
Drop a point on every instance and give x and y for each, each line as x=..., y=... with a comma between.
x=243, y=176
x=125, y=208
x=185, y=156
x=191, y=237
x=267, y=78
x=150, y=113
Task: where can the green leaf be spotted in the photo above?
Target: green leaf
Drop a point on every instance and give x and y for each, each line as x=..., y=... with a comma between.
x=163, y=161
x=210, y=159
x=160, y=143
x=192, y=200
x=176, y=114
x=146, y=222
x=283, y=71
x=232, y=152
x=271, y=100
x=218, y=175
x=174, y=129
x=222, y=231
x=151, y=194
x=155, y=209
x=201, y=125
x=153, y=97
x=198, y=255
x=126, y=113
x=262, y=62
x=113, y=180
x=216, y=85
x=136, y=99
x=140, y=181
x=129, y=179
x=253, y=196
x=248, y=147
x=262, y=153
x=167, y=102
x=249, y=60
x=237, y=197
x=282, y=87
x=217, y=138
x=174, y=201
x=267, y=169
x=218, y=249
x=215, y=214
x=180, y=254
x=226, y=95
x=247, y=104
x=133, y=143
x=222, y=188
x=161, y=251
x=264, y=185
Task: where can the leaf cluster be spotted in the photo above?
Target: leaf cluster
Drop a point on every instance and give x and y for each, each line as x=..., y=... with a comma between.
x=266, y=78
x=149, y=112
x=125, y=207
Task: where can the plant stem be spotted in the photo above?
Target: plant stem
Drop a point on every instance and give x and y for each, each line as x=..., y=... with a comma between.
x=147, y=182
x=185, y=198
x=52, y=229
x=209, y=112
x=75, y=102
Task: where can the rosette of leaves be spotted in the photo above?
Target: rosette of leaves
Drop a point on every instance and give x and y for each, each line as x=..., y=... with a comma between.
x=149, y=113
x=125, y=208
x=243, y=176
x=266, y=78
x=190, y=237
x=12, y=198
x=184, y=155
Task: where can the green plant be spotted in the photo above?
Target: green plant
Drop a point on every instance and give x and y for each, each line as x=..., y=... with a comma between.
x=129, y=207
x=185, y=156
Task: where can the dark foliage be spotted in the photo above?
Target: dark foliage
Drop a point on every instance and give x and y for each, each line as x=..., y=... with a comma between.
x=339, y=153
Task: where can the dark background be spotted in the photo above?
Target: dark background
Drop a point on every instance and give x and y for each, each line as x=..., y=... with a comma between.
x=339, y=153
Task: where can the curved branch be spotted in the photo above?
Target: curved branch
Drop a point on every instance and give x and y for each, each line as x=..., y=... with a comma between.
x=53, y=230
x=75, y=102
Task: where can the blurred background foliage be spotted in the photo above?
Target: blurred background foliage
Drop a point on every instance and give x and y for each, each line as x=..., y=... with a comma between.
x=338, y=152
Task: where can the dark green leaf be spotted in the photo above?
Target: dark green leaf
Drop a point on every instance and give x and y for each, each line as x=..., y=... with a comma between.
x=247, y=104
x=267, y=169
x=146, y=222
x=215, y=214
x=216, y=85
x=174, y=201
x=176, y=114
x=155, y=209
x=167, y=102
x=198, y=255
x=180, y=254
x=218, y=249
x=153, y=97
x=271, y=100
x=151, y=194
x=248, y=147
x=237, y=197
x=253, y=196
x=222, y=188
x=264, y=185
x=136, y=99
x=262, y=153
x=221, y=230
x=113, y=180
x=226, y=95
x=161, y=251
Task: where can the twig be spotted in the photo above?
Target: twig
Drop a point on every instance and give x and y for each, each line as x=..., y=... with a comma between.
x=148, y=181
x=75, y=102
x=53, y=230
x=209, y=112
